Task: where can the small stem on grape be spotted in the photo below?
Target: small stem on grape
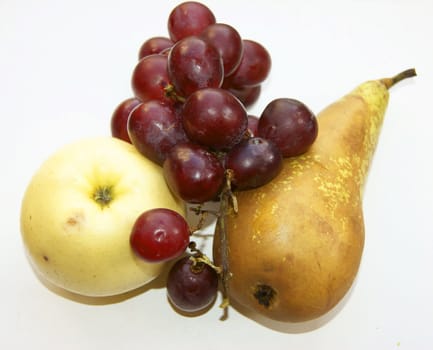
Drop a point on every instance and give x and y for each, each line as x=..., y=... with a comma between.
x=203, y=215
x=193, y=246
x=199, y=258
x=170, y=92
x=205, y=260
x=234, y=203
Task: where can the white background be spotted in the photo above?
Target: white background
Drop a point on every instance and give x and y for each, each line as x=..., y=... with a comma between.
x=65, y=65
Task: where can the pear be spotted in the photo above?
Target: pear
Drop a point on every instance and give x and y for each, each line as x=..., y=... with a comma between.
x=293, y=249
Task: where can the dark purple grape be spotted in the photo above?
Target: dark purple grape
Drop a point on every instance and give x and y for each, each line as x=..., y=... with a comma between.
x=254, y=162
x=119, y=119
x=150, y=78
x=154, y=45
x=254, y=67
x=290, y=124
x=154, y=128
x=214, y=118
x=253, y=123
x=248, y=95
x=189, y=18
x=193, y=173
x=166, y=51
x=191, y=288
x=194, y=64
x=228, y=42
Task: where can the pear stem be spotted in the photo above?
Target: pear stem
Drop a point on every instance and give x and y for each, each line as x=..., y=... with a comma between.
x=408, y=73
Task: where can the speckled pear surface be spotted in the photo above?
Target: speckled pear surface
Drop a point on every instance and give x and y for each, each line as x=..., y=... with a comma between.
x=295, y=245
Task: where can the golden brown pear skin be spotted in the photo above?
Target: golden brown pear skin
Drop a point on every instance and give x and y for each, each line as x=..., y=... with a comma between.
x=295, y=246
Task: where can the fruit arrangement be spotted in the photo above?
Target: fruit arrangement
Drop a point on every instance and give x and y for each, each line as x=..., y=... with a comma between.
x=288, y=229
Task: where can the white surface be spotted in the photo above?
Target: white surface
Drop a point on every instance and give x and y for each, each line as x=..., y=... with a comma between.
x=65, y=65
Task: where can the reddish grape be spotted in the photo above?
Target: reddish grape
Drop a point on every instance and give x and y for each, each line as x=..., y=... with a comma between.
x=194, y=64
x=228, y=42
x=254, y=67
x=154, y=128
x=214, y=118
x=150, y=78
x=154, y=45
x=191, y=288
x=193, y=173
x=166, y=51
x=248, y=95
x=159, y=234
x=290, y=124
x=253, y=123
x=254, y=162
x=189, y=18
x=119, y=119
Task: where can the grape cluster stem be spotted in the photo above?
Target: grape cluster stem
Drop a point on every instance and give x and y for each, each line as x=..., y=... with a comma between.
x=227, y=201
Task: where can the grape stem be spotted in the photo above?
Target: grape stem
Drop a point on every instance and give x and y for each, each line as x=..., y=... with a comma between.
x=227, y=198
x=199, y=258
x=203, y=215
x=170, y=92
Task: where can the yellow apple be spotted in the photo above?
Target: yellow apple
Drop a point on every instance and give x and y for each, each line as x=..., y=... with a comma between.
x=78, y=211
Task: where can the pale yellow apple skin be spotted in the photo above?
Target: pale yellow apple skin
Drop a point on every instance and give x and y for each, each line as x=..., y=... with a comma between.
x=79, y=244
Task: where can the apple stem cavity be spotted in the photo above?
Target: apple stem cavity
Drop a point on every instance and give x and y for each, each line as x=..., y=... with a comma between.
x=103, y=195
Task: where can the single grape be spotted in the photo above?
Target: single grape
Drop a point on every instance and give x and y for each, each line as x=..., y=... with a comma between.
x=248, y=95
x=150, y=78
x=154, y=45
x=191, y=288
x=253, y=123
x=290, y=124
x=166, y=51
x=254, y=67
x=119, y=119
x=228, y=42
x=214, y=118
x=189, y=18
x=194, y=64
x=154, y=128
x=159, y=235
x=193, y=173
x=254, y=162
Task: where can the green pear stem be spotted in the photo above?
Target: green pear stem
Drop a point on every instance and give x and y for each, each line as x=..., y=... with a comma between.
x=389, y=82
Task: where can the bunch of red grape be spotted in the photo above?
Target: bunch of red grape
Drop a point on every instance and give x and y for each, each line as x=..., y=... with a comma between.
x=189, y=115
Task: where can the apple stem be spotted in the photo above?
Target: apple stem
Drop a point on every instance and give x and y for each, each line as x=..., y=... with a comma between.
x=103, y=195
